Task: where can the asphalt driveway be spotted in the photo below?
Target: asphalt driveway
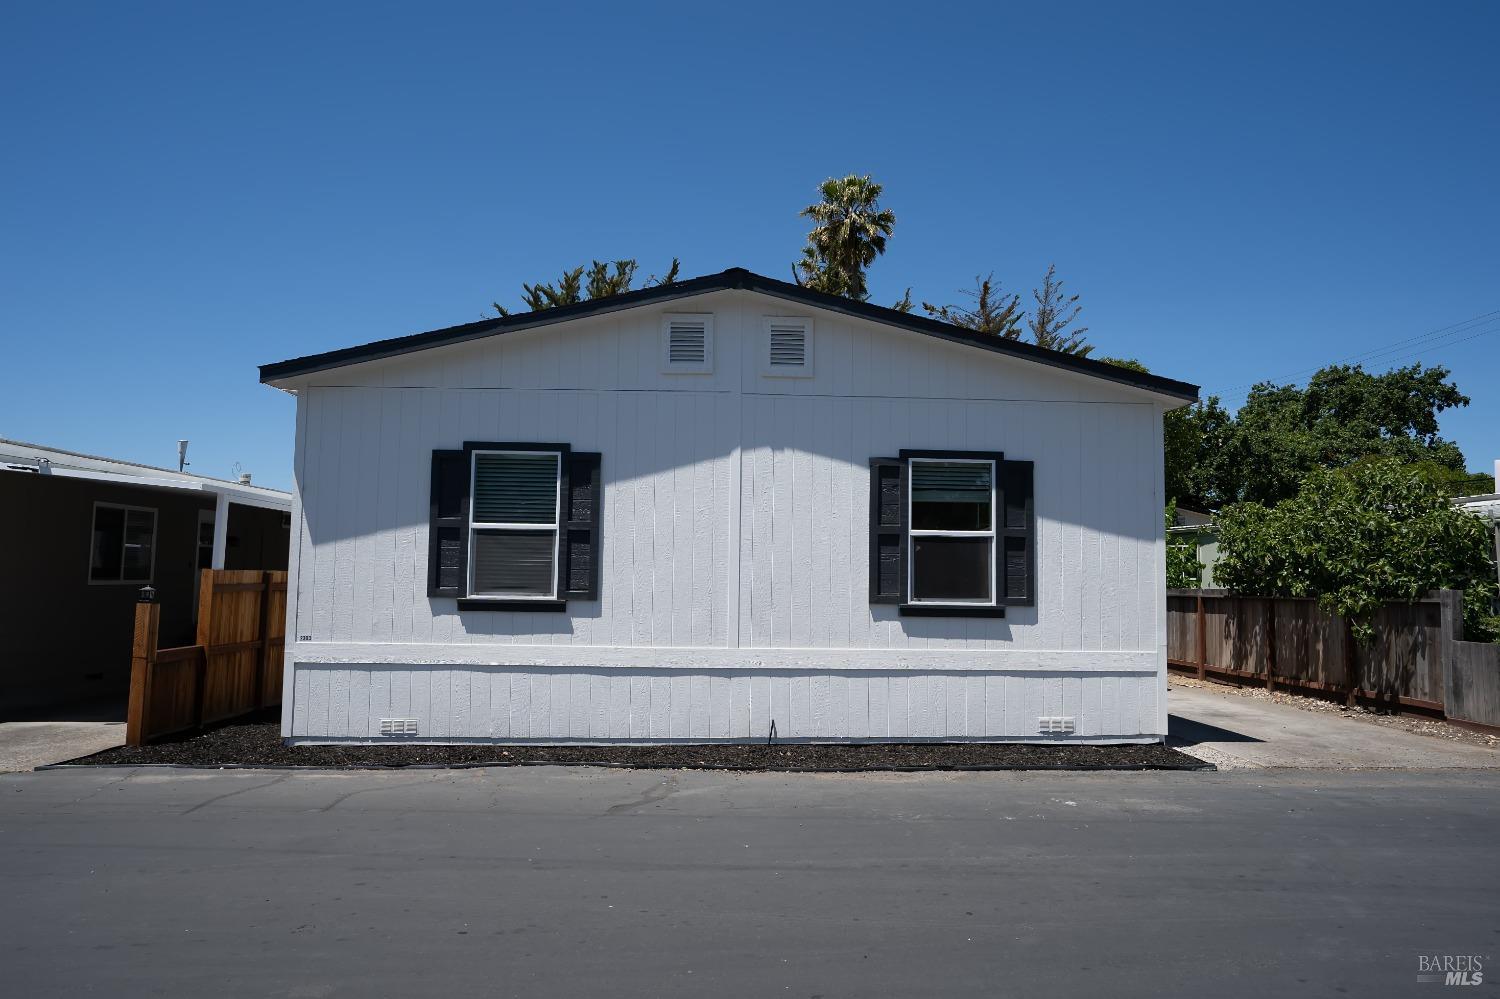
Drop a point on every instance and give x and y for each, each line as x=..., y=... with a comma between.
x=584, y=882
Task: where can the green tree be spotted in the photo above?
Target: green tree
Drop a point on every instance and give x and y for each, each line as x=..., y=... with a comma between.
x=1056, y=311
x=1345, y=413
x=1193, y=437
x=1355, y=537
x=993, y=311
x=597, y=280
x=849, y=233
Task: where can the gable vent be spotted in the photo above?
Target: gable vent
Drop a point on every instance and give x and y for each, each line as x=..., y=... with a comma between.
x=788, y=347
x=688, y=343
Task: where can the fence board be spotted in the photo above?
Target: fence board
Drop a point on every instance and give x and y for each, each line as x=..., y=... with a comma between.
x=1473, y=693
x=231, y=671
x=1416, y=658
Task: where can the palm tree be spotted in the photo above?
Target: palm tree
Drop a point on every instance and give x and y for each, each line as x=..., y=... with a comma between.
x=850, y=232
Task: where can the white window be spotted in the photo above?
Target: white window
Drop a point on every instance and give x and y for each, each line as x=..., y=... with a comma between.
x=951, y=513
x=513, y=525
x=787, y=347
x=124, y=544
x=687, y=343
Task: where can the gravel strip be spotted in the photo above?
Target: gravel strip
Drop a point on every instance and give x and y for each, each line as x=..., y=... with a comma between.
x=257, y=743
x=1418, y=724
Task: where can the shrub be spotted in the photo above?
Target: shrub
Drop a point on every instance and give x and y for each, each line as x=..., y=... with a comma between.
x=1355, y=537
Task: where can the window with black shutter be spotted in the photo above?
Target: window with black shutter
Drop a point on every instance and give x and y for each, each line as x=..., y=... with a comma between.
x=952, y=533
x=514, y=525
x=887, y=531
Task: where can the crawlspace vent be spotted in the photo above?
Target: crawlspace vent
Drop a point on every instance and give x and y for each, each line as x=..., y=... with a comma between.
x=1055, y=725
x=398, y=726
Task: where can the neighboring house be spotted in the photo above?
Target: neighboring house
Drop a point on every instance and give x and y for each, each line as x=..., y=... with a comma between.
x=700, y=511
x=1486, y=507
x=1197, y=528
x=83, y=535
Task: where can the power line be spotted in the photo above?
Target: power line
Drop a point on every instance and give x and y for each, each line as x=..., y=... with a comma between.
x=1445, y=336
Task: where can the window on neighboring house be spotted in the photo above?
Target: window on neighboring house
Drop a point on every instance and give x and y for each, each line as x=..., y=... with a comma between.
x=952, y=518
x=124, y=544
x=513, y=524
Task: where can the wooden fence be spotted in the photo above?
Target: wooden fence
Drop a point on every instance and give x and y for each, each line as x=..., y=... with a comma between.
x=234, y=668
x=1417, y=659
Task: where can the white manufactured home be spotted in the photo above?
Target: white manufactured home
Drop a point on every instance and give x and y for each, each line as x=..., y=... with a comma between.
x=695, y=512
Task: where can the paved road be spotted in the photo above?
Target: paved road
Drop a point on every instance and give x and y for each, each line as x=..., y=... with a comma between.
x=1232, y=731
x=584, y=882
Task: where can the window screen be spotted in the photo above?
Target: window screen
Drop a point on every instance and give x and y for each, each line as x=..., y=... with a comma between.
x=513, y=524
x=952, y=529
x=951, y=495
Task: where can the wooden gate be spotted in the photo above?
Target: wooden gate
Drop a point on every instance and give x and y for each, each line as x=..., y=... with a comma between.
x=234, y=669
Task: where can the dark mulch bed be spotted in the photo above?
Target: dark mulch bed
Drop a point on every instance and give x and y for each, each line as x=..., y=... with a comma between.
x=257, y=743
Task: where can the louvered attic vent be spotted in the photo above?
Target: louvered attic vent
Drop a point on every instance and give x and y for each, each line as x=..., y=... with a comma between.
x=688, y=344
x=788, y=347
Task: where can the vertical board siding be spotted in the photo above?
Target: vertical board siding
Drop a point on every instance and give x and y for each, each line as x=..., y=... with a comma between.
x=734, y=516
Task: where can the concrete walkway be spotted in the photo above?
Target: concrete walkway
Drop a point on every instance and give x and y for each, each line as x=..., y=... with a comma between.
x=1236, y=732
x=31, y=744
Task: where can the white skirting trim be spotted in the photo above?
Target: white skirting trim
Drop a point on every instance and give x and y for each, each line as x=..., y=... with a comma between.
x=738, y=660
x=1109, y=740
x=453, y=702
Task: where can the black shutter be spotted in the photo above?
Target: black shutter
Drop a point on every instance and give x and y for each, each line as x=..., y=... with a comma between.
x=1016, y=565
x=887, y=531
x=583, y=518
x=448, y=529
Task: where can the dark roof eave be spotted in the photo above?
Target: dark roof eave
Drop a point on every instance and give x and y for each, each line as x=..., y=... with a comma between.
x=734, y=278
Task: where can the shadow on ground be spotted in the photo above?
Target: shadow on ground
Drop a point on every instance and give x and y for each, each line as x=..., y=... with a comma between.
x=1184, y=732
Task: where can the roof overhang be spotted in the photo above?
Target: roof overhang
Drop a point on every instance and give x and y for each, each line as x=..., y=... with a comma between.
x=264, y=498
x=282, y=373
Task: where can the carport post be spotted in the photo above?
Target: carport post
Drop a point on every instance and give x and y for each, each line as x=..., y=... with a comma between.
x=221, y=530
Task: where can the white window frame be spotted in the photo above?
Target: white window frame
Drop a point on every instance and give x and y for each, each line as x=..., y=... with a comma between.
x=484, y=525
x=93, y=527
x=682, y=368
x=911, y=532
x=771, y=371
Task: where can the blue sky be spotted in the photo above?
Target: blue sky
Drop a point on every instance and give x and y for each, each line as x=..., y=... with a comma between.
x=1237, y=192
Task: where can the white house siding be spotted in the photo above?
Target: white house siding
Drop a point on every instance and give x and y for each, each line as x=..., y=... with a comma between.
x=709, y=480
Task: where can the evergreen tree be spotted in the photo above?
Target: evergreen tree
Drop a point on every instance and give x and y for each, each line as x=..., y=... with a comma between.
x=1055, y=312
x=603, y=280
x=993, y=312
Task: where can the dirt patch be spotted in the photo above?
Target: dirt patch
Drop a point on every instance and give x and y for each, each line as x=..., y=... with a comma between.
x=1415, y=723
x=257, y=743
